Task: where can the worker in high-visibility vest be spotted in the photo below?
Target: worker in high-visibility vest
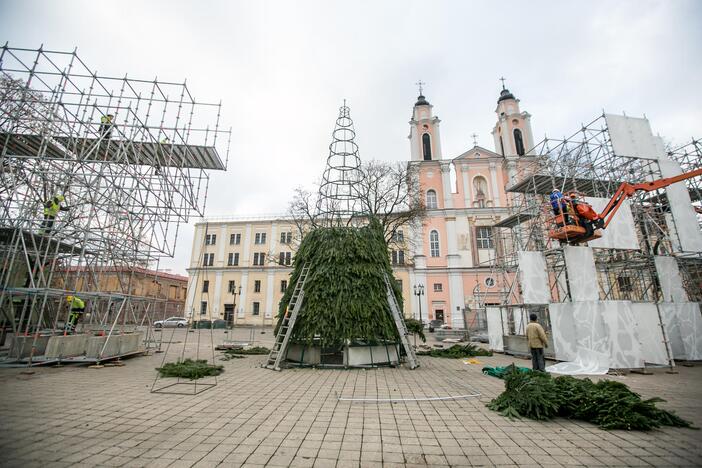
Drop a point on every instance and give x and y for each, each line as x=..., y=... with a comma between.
x=52, y=206
x=106, y=125
x=77, y=308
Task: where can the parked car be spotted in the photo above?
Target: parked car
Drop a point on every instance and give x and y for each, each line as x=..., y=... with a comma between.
x=434, y=324
x=171, y=322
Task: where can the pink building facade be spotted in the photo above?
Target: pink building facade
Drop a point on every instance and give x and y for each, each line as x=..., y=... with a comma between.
x=453, y=254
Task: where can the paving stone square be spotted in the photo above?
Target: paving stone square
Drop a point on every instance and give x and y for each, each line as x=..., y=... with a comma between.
x=79, y=416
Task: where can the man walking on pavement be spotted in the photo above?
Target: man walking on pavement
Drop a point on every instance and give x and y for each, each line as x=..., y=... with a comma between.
x=537, y=341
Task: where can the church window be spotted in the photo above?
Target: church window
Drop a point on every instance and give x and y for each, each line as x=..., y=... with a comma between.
x=518, y=142
x=432, y=203
x=483, y=237
x=426, y=146
x=480, y=186
x=434, y=243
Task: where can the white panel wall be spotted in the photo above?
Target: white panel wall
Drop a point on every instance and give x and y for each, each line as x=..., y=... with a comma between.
x=670, y=280
x=686, y=223
x=534, y=278
x=631, y=137
x=495, y=331
x=620, y=234
x=582, y=276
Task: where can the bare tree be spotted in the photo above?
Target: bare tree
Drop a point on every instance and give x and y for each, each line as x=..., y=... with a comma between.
x=391, y=192
x=388, y=191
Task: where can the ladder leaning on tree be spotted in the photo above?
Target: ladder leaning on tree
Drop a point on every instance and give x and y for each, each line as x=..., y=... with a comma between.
x=280, y=347
x=400, y=324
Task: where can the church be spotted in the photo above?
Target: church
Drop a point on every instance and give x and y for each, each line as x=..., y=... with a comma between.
x=239, y=267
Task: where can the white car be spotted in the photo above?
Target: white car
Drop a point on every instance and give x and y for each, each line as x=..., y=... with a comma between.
x=171, y=322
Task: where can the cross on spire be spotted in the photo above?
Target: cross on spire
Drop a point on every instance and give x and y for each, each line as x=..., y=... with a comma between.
x=420, y=83
x=475, y=139
x=502, y=79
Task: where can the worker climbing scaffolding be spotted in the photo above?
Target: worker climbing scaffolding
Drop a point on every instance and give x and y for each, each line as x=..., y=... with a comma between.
x=106, y=125
x=52, y=206
x=77, y=309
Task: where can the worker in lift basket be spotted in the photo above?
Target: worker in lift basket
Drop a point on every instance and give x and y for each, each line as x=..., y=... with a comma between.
x=77, y=307
x=588, y=217
x=559, y=204
x=537, y=341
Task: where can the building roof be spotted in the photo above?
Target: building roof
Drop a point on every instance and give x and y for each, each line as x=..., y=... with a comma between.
x=421, y=101
x=505, y=94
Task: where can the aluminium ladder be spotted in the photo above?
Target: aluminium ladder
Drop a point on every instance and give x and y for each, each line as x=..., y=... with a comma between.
x=400, y=324
x=279, y=350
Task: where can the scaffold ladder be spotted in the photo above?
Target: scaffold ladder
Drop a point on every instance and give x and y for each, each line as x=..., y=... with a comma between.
x=277, y=355
x=401, y=326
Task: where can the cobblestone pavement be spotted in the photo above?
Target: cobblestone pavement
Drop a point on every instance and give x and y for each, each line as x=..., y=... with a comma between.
x=77, y=416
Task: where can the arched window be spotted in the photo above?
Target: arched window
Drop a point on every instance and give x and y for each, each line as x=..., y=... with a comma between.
x=426, y=146
x=432, y=204
x=481, y=191
x=518, y=142
x=434, y=243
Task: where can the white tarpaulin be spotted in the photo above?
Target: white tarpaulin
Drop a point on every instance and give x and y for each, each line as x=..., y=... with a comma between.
x=582, y=277
x=593, y=335
x=631, y=136
x=620, y=233
x=686, y=223
x=495, y=330
x=533, y=277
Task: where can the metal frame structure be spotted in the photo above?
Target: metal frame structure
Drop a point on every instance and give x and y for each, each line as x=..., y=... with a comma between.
x=338, y=201
x=128, y=185
x=586, y=162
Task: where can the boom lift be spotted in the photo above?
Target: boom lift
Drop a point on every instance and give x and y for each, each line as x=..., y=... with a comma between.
x=579, y=223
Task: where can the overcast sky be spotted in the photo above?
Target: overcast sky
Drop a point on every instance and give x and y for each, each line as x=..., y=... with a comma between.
x=282, y=70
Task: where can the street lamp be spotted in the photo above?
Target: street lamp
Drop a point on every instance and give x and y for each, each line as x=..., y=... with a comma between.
x=234, y=293
x=419, y=291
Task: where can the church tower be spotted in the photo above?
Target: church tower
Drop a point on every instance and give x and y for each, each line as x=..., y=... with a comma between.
x=512, y=132
x=425, y=140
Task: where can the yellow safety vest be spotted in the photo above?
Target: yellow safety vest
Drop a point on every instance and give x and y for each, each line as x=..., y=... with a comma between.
x=77, y=303
x=52, y=207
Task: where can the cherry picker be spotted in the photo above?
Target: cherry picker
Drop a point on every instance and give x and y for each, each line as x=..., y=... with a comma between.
x=577, y=222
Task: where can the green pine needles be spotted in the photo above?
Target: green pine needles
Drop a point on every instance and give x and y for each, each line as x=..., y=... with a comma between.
x=190, y=369
x=345, y=296
x=609, y=404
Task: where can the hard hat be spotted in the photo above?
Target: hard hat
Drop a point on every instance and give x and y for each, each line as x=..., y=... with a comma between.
x=573, y=195
x=60, y=197
x=555, y=190
x=69, y=298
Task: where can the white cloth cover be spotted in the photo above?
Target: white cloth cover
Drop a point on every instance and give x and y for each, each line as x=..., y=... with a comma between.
x=582, y=277
x=533, y=278
x=495, y=328
x=669, y=277
x=620, y=233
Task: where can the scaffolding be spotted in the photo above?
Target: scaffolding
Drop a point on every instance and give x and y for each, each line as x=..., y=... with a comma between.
x=125, y=162
x=587, y=163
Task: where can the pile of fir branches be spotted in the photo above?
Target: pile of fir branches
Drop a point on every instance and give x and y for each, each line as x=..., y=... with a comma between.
x=345, y=295
x=609, y=404
x=457, y=351
x=190, y=369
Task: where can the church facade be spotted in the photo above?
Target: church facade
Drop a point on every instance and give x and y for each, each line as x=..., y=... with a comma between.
x=240, y=267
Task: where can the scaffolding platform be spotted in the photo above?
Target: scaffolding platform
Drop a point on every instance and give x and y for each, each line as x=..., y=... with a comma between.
x=119, y=151
x=515, y=219
x=7, y=235
x=543, y=184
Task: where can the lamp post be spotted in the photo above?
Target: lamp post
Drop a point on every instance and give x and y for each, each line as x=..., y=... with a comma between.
x=419, y=291
x=234, y=293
